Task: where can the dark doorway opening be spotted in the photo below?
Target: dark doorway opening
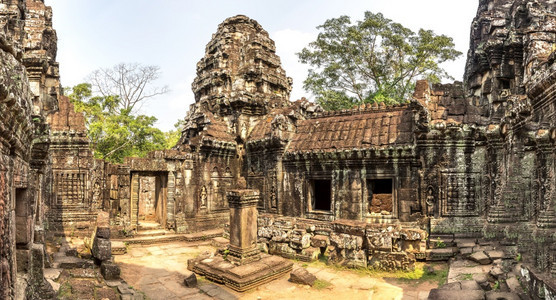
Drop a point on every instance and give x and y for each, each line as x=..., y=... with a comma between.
x=322, y=195
x=22, y=219
x=380, y=195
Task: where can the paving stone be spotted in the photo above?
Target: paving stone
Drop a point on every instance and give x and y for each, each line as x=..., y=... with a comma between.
x=439, y=294
x=217, y=292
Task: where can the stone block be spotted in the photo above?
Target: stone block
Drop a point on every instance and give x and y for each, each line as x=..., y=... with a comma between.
x=356, y=258
x=495, y=254
x=513, y=285
x=37, y=263
x=102, y=249
x=480, y=257
x=309, y=254
x=302, y=276
x=263, y=247
x=282, y=249
x=190, y=281
x=496, y=272
x=346, y=241
x=109, y=270
x=320, y=241
x=440, y=254
x=300, y=240
x=103, y=219
x=103, y=232
x=23, y=260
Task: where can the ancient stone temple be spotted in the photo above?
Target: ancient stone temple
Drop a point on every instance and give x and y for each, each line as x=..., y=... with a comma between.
x=29, y=90
x=373, y=186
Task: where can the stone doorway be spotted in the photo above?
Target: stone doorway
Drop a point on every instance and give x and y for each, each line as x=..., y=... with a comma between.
x=149, y=196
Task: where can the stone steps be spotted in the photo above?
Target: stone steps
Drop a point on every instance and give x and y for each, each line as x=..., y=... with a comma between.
x=169, y=237
x=154, y=232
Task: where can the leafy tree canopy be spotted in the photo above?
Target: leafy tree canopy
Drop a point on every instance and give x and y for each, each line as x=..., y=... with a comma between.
x=115, y=133
x=373, y=60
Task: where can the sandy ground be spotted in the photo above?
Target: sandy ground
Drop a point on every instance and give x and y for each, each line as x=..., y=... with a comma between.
x=159, y=270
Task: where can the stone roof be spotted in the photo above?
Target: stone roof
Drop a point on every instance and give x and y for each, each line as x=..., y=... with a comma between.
x=355, y=129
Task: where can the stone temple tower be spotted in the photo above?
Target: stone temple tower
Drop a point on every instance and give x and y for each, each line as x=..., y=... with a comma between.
x=239, y=80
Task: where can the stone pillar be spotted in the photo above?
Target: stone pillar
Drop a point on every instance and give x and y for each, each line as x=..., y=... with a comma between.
x=243, y=226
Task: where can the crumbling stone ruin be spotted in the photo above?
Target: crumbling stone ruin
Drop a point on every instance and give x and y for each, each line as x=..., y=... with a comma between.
x=376, y=186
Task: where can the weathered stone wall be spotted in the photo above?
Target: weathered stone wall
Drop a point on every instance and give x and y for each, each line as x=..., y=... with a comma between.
x=77, y=178
x=349, y=243
x=24, y=160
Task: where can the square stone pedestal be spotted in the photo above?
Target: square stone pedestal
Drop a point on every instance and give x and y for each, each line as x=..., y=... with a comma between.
x=244, y=266
x=242, y=277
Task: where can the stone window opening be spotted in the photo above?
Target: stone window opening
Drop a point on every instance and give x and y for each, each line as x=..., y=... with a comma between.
x=505, y=84
x=380, y=195
x=321, y=196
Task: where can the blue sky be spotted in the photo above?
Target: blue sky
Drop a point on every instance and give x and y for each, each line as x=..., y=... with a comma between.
x=173, y=33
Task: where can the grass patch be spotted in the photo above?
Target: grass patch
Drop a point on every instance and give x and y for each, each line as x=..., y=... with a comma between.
x=320, y=284
x=415, y=276
x=65, y=291
x=466, y=276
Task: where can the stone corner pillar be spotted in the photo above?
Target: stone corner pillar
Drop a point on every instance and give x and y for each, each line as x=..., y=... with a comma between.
x=243, y=226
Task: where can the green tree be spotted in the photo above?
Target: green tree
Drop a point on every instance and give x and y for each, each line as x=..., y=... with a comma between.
x=373, y=60
x=114, y=132
x=173, y=136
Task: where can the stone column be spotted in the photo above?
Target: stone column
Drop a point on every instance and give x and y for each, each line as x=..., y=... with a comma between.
x=243, y=226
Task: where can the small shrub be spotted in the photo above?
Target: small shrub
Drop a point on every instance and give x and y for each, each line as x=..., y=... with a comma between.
x=440, y=244
x=320, y=284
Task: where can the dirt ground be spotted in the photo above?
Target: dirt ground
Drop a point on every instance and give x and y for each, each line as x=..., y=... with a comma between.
x=158, y=271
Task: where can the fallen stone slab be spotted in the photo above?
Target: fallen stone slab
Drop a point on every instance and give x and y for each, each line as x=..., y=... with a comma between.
x=439, y=294
x=302, y=276
x=480, y=257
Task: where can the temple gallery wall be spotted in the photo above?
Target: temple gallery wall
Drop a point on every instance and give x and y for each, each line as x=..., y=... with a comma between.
x=369, y=187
